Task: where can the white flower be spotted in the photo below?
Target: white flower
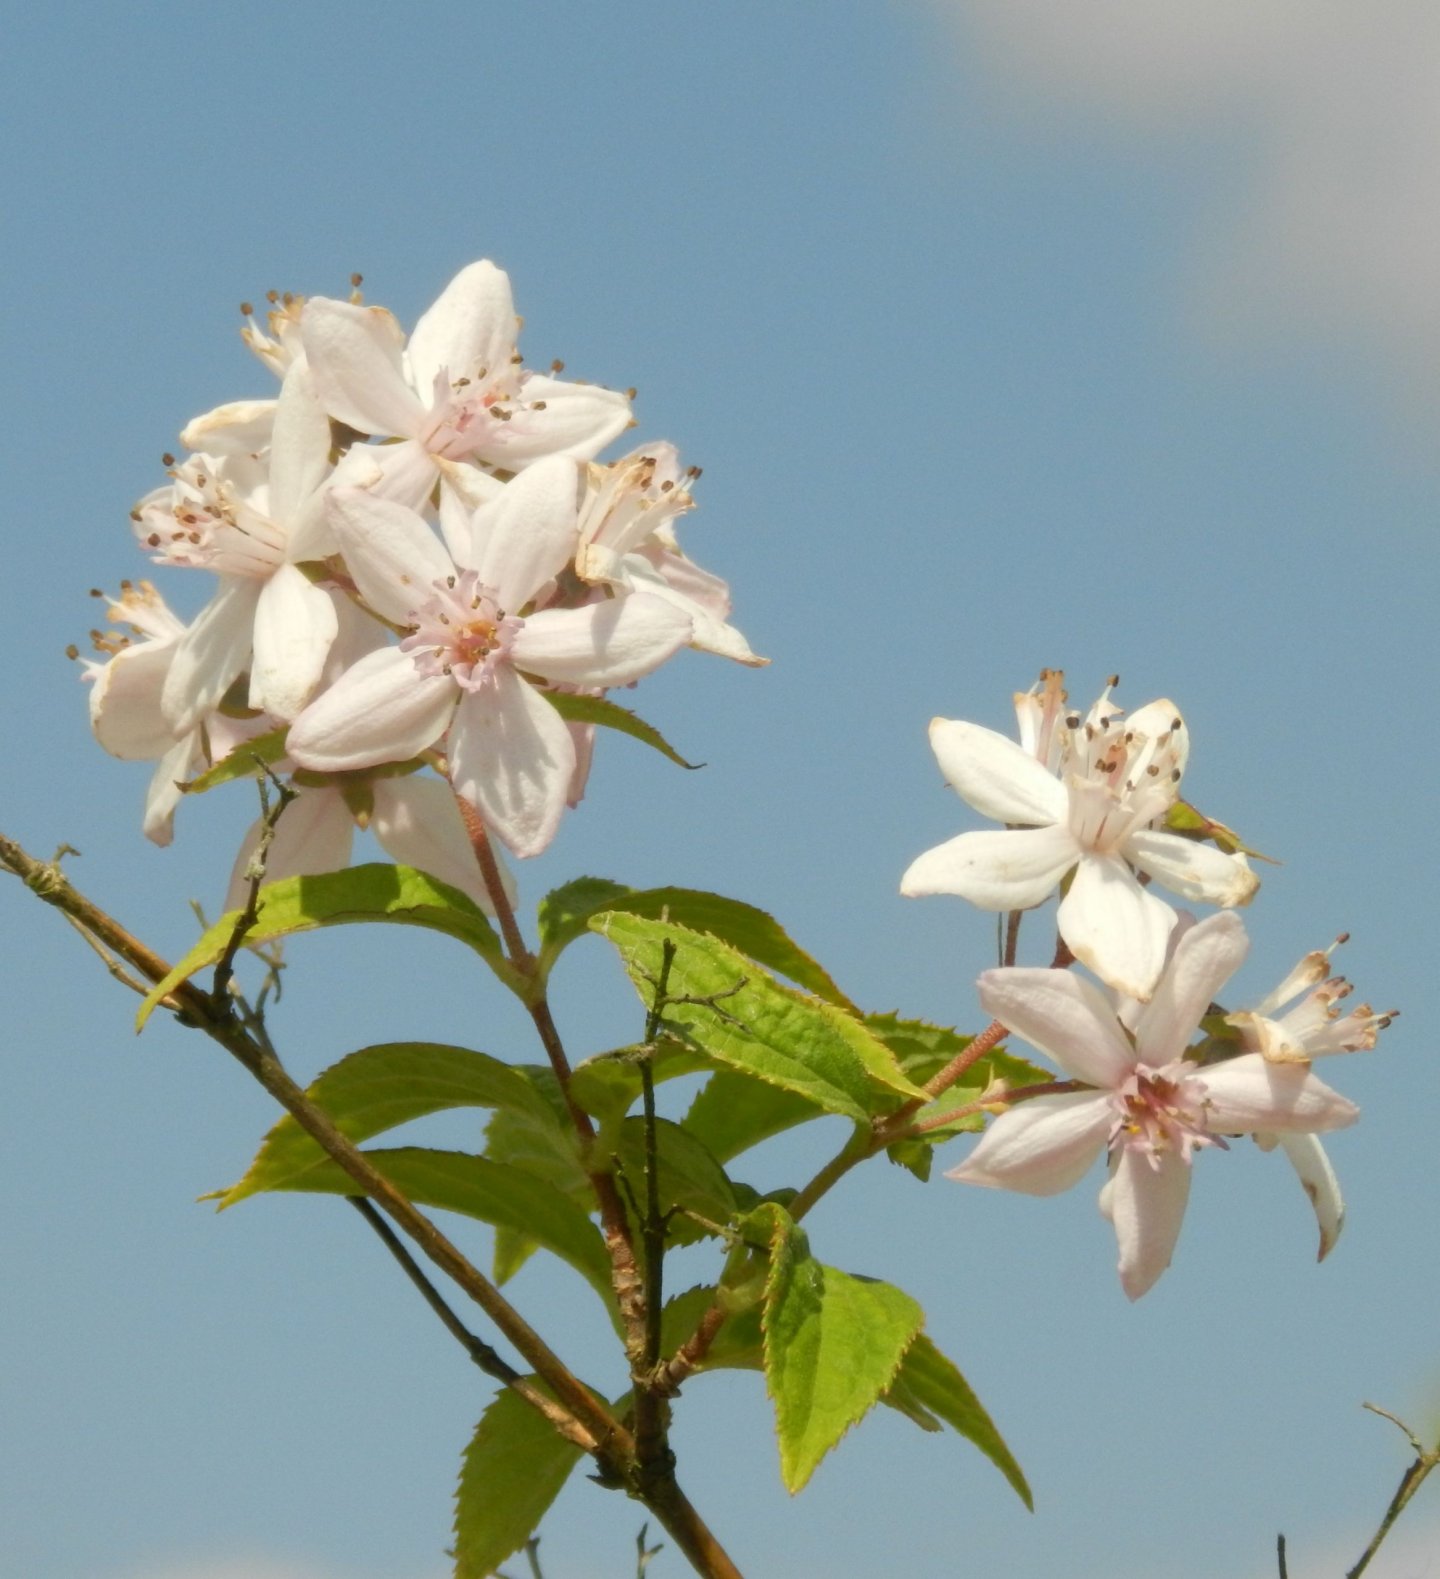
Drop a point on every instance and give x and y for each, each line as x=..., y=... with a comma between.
x=457, y=392
x=1143, y=1102
x=474, y=637
x=1117, y=779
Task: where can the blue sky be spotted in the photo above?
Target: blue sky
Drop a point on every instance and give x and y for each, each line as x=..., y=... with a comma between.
x=1003, y=344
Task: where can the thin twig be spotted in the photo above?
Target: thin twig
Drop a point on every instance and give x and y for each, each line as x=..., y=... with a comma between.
x=1280, y=1556
x=1410, y=1482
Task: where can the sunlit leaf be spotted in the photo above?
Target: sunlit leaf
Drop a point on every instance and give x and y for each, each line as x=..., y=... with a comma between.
x=609, y=715
x=246, y=761
x=734, y=1112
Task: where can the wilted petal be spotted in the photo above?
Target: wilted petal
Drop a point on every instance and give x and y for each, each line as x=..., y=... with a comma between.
x=1146, y=1203
x=418, y=823
x=1000, y=869
x=710, y=632
x=355, y=355
x=295, y=623
x=240, y=427
x=1041, y=1146
x=996, y=776
x=164, y=792
x=211, y=653
x=1317, y=1179
x=602, y=644
x=382, y=710
x=1204, y=959
x=1115, y=926
x=1065, y=1016
x=1193, y=870
x=511, y=757
x=470, y=327
x=1249, y=1093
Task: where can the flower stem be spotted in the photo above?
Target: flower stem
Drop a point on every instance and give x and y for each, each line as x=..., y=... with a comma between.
x=1410, y=1482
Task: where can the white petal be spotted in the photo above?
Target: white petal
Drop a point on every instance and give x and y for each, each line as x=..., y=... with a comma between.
x=1249, y=1093
x=577, y=420
x=417, y=822
x=608, y=643
x=710, y=632
x=1065, y=1016
x=240, y=427
x=1193, y=870
x=355, y=356
x=1159, y=718
x=463, y=490
x=996, y=776
x=394, y=557
x=1041, y=1146
x=1317, y=1179
x=1147, y=1205
x=125, y=708
x=1115, y=926
x=1205, y=958
x=470, y=326
x=511, y=757
x=300, y=447
x=164, y=792
x=529, y=533
x=211, y=653
x=1001, y=869
x=295, y=624
x=382, y=710
x=314, y=835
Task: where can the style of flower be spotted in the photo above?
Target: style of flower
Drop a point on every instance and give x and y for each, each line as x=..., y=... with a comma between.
x=1312, y=1027
x=474, y=637
x=1142, y=1101
x=457, y=391
x=251, y=522
x=1097, y=819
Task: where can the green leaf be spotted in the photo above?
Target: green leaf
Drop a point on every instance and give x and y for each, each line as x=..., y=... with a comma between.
x=376, y=892
x=928, y=1381
x=1189, y=821
x=755, y=1024
x=734, y=1112
x=923, y=1050
x=833, y=1345
x=689, y=1179
x=609, y=1084
x=244, y=762
x=512, y=1471
x=566, y=913
x=377, y=1088
x=491, y=1191
x=598, y=710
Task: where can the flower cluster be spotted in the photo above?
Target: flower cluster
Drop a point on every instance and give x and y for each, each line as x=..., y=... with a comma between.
x=1155, y=1074
x=415, y=558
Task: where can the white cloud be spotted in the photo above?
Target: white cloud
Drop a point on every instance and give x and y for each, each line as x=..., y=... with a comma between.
x=1329, y=112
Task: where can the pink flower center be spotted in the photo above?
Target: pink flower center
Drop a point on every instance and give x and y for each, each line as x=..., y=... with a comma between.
x=1160, y=1111
x=472, y=416
x=461, y=632
x=204, y=525
x=1119, y=779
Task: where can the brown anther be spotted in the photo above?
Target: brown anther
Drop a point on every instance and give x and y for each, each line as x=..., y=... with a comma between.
x=1114, y=680
x=666, y=486
x=72, y=651
x=357, y=280
x=153, y=540
x=135, y=513
x=272, y=297
x=557, y=366
x=1175, y=775
x=516, y=359
x=449, y=581
x=287, y=299
x=694, y=472
x=631, y=393
x=537, y=405
x=167, y=459
x=1343, y=938
x=247, y=310
x=95, y=592
x=460, y=383
x=1153, y=770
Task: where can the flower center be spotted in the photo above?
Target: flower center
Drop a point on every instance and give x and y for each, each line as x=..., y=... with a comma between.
x=1160, y=1111
x=201, y=522
x=461, y=632
x=1120, y=779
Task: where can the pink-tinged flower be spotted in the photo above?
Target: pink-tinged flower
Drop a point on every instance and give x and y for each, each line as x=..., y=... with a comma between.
x=251, y=522
x=458, y=391
x=627, y=541
x=414, y=818
x=1312, y=1027
x=475, y=639
x=1117, y=779
x=1146, y=1106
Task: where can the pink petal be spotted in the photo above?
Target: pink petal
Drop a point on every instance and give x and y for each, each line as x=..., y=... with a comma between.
x=529, y=533
x=995, y=776
x=1193, y=870
x=1249, y=1093
x=314, y=835
x=1205, y=958
x=1041, y=1146
x=355, y=356
x=295, y=624
x=1000, y=869
x=418, y=823
x=471, y=325
x=1115, y=926
x=511, y=756
x=1146, y=1204
x=608, y=643
x=382, y=710
x=1065, y=1016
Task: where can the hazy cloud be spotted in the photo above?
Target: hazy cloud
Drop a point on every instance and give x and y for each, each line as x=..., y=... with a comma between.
x=1325, y=216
